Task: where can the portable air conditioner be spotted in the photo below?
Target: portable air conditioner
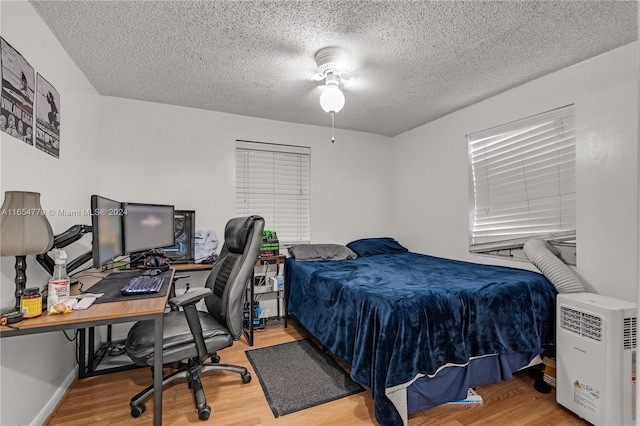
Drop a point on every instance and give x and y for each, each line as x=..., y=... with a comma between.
x=596, y=357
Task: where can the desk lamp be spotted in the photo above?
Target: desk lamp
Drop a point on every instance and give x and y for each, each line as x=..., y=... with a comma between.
x=24, y=230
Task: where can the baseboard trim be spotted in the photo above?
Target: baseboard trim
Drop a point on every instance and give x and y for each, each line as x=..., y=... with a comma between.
x=44, y=416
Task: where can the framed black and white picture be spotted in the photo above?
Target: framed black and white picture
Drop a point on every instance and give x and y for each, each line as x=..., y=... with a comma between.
x=47, y=117
x=18, y=83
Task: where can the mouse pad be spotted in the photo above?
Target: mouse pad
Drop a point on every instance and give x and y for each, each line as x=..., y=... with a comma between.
x=113, y=283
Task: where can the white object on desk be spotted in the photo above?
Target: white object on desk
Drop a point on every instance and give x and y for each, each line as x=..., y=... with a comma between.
x=85, y=302
x=83, y=295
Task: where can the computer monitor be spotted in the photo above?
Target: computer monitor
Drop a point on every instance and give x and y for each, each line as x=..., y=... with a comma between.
x=106, y=226
x=147, y=227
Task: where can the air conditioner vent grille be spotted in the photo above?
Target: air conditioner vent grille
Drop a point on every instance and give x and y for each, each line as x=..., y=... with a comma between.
x=629, y=333
x=581, y=323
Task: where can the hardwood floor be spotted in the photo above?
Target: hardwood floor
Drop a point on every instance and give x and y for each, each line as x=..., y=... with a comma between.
x=104, y=400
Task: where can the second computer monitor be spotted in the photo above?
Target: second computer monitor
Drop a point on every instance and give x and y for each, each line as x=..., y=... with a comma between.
x=147, y=227
x=106, y=221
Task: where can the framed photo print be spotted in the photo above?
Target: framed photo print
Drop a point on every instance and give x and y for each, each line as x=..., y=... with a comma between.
x=18, y=83
x=47, y=117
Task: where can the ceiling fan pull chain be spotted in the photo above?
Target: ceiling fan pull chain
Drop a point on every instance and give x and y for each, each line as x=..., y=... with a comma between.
x=333, y=136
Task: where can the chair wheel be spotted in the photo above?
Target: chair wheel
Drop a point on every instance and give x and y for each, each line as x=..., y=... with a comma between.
x=136, y=411
x=204, y=413
x=215, y=359
x=246, y=378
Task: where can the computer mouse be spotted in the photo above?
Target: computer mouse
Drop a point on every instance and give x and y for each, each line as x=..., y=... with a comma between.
x=152, y=272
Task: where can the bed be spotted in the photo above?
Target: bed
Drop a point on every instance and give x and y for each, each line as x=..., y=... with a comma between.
x=418, y=330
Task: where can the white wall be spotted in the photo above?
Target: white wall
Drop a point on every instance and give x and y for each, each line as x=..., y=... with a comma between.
x=432, y=181
x=186, y=157
x=33, y=369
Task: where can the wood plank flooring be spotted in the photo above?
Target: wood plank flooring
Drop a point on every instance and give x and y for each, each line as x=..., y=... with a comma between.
x=104, y=400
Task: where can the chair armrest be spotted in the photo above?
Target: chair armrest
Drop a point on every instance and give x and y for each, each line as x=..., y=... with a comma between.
x=181, y=276
x=172, y=292
x=188, y=302
x=189, y=298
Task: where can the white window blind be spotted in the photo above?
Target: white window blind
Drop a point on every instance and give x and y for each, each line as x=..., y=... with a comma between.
x=524, y=183
x=273, y=181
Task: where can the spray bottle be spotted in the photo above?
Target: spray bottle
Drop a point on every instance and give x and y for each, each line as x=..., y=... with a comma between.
x=59, y=284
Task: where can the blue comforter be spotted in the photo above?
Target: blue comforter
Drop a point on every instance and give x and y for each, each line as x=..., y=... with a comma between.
x=392, y=316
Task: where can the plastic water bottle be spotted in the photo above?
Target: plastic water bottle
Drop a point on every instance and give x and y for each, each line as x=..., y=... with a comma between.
x=59, y=284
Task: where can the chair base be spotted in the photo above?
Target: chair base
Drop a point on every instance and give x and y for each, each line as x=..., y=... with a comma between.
x=192, y=374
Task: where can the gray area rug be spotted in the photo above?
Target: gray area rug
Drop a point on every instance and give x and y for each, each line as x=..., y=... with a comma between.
x=298, y=375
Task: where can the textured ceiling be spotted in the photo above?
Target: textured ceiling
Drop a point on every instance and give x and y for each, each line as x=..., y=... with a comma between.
x=415, y=61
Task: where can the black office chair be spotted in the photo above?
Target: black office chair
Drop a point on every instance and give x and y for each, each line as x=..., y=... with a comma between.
x=194, y=336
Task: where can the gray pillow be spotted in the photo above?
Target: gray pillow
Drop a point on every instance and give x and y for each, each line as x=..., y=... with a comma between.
x=321, y=252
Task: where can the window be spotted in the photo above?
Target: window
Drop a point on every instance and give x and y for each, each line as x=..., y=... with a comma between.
x=273, y=181
x=523, y=182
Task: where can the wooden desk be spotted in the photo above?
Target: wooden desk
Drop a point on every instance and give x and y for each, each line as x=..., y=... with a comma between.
x=106, y=314
x=88, y=366
x=189, y=267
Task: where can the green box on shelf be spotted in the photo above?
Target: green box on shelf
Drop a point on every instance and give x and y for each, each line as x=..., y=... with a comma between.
x=270, y=244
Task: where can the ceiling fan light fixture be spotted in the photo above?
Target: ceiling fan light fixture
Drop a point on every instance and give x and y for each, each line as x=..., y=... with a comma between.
x=332, y=99
x=331, y=63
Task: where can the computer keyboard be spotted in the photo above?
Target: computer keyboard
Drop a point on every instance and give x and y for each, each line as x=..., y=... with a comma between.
x=143, y=284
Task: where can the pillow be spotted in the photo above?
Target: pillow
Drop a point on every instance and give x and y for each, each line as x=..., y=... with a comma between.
x=321, y=252
x=372, y=246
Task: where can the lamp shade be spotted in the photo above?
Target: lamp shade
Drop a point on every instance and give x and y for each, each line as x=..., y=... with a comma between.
x=23, y=225
x=332, y=99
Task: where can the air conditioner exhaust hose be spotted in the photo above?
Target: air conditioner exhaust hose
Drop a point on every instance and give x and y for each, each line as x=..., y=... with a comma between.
x=562, y=278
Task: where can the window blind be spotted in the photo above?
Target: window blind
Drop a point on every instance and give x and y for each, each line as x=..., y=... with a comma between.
x=524, y=186
x=273, y=181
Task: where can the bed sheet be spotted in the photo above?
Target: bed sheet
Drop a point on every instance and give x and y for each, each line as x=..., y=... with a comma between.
x=393, y=317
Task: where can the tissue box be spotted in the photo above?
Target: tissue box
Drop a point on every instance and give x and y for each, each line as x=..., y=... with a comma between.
x=277, y=283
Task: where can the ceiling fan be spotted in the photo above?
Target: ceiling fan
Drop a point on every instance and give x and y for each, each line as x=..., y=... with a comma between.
x=333, y=61
x=332, y=64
